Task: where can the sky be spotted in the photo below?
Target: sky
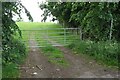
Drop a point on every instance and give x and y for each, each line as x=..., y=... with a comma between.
x=33, y=7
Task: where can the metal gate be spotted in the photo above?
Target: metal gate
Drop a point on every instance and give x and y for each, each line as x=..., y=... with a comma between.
x=51, y=36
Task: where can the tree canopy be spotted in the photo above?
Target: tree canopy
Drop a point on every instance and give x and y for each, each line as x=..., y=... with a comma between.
x=97, y=20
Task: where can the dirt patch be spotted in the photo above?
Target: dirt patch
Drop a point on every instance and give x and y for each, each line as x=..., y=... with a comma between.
x=81, y=67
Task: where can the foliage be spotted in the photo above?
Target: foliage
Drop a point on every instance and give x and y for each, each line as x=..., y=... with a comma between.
x=9, y=28
x=12, y=48
x=98, y=21
x=106, y=52
x=19, y=20
x=15, y=51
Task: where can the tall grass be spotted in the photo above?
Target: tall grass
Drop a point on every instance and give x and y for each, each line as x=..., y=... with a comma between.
x=104, y=51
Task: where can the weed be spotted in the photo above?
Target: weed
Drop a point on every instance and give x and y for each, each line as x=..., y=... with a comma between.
x=105, y=52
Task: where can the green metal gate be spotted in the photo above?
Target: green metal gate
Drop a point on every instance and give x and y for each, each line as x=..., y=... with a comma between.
x=51, y=36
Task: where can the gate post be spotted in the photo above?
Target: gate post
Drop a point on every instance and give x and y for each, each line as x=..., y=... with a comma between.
x=80, y=29
x=29, y=34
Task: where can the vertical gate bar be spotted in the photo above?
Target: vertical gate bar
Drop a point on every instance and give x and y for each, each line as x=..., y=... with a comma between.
x=28, y=35
x=64, y=36
x=35, y=35
x=76, y=33
x=47, y=41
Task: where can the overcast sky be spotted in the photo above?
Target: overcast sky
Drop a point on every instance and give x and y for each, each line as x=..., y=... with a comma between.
x=33, y=7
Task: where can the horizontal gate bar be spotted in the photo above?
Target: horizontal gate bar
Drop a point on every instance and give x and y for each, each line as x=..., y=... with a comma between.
x=44, y=46
x=50, y=29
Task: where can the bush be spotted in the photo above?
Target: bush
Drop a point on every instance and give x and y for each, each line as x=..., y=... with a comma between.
x=12, y=55
x=14, y=51
x=104, y=51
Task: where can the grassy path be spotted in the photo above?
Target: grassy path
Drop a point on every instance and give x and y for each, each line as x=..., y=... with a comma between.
x=43, y=62
x=29, y=68
x=38, y=66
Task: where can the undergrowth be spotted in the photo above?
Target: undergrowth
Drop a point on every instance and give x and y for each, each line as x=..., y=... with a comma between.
x=17, y=54
x=105, y=52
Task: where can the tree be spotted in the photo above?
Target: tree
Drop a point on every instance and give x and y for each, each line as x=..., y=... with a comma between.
x=98, y=21
x=10, y=44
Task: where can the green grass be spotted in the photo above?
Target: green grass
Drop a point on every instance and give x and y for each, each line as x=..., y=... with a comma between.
x=10, y=71
x=35, y=25
x=54, y=55
x=104, y=52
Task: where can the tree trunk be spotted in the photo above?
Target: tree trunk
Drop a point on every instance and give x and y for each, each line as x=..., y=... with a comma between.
x=111, y=27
